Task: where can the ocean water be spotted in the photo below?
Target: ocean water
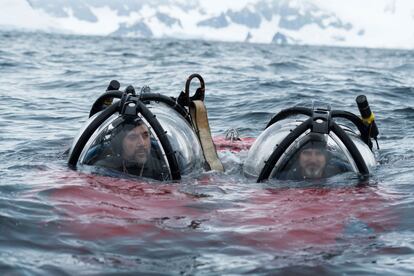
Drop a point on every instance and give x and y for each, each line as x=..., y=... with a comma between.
x=54, y=220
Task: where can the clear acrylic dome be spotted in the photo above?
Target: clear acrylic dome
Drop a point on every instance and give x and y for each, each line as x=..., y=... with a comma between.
x=329, y=154
x=182, y=137
x=127, y=146
x=132, y=147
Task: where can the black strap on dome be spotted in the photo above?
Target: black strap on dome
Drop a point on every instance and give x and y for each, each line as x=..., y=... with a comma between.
x=141, y=108
x=156, y=97
x=362, y=128
x=99, y=104
x=87, y=133
x=285, y=113
x=353, y=150
x=109, y=95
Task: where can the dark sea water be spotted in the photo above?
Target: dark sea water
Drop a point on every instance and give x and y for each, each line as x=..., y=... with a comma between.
x=54, y=220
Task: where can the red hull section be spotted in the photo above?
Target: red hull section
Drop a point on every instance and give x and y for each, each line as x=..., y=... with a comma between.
x=269, y=219
x=222, y=144
x=98, y=207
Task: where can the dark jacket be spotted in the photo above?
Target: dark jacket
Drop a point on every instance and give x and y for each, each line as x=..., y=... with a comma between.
x=154, y=168
x=296, y=173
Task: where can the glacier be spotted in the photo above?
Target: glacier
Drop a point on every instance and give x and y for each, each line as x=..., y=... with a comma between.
x=352, y=23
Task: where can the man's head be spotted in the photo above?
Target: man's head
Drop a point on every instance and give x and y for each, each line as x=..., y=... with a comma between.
x=136, y=145
x=312, y=159
x=133, y=141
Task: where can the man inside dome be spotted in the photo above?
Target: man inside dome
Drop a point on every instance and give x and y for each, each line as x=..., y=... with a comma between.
x=134, y=153
x=312, y=161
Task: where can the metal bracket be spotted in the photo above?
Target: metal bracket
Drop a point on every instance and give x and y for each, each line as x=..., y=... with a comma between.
x=321, y=117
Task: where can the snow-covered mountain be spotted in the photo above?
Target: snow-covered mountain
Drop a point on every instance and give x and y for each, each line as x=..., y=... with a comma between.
x=368, y=23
